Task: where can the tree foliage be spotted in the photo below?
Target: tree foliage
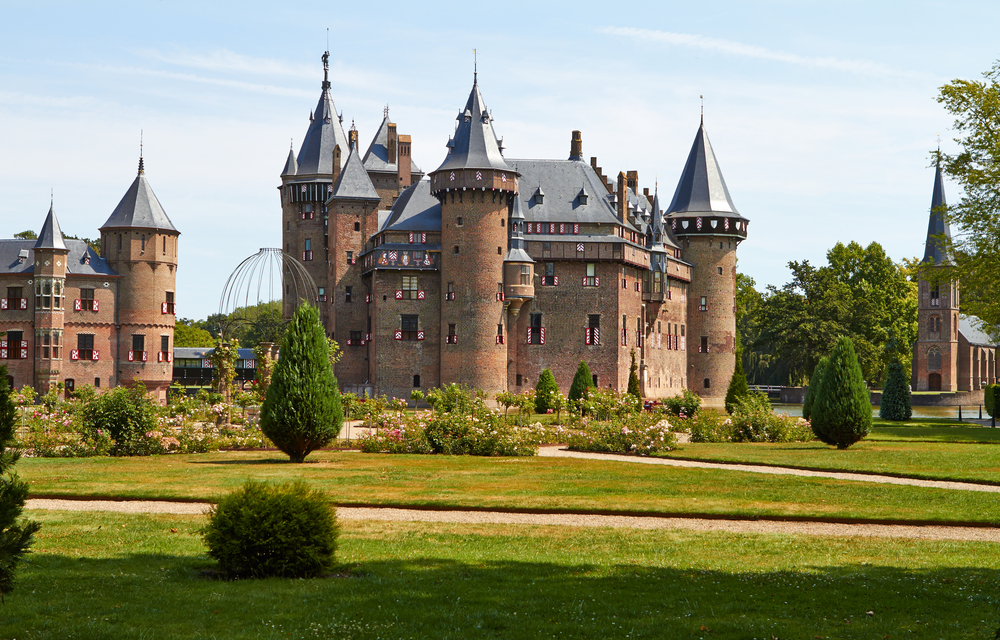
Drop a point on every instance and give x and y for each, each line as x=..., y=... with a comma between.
x=16, y=535
x=895, y=404
x=814, y=381
x=27, y=234
x=633, y=379
x=582, y=381
x=188, y=334
x=302, y=411
x=738, y=387
x=126, y=415
x=545, y=391
x=861, y=293
x=842, y=410
x=976, y=168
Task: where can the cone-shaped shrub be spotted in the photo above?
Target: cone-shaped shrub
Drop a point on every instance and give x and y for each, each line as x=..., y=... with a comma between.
x=991, y=398
x=815, y=380
x=581, y=382
x=545, y=392
x=15, y=535
x=633, y=379
x=842, y=410
x=738, y=387
x=302, y=411
x=895, y=403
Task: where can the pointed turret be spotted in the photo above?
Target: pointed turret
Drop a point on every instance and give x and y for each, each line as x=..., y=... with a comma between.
x=325, y=132
x=935, y=250
x=475, y=145
x=291, y=165
x=518, y=251
x=702, y=188
x=51, y=236
x=139, y=208
x=354, y=181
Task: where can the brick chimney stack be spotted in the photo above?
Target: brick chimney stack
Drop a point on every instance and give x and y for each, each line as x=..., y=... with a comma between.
x=622, y=196
x=633, y=181
x=403, y=167
x=336, y=164
x=576, y=147
x=390, y=145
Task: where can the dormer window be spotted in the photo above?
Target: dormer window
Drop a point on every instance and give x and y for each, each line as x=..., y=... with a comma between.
x=581, y=197
x=539, y=196
x=22, y=256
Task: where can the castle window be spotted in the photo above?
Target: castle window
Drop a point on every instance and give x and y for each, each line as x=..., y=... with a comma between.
x=348, y=294
x=168, y=305
x=592, y=334
x=518, y=381
x=409, y=290
x=164, y=245
x=350, y=257
x=456, y=249
x=138, y=352
x=70, y=387
x=416, y=381
x=85, y=346
x=703, y=348
x=165, y=345
x=450, y=293
x=720, y=271
x=459, y=221
x=703, y=304
x=502, y=222
x=593, y=378
x=408, y=327
x=591, y=279
x=934, y=324
x=499, y=251
x=934, y=359
x=15, y=299
x=935, y=296
x=355, y=339
x=550, y=279
x=500, y=338
x=536, y=332
x=452, y=337
x=357, y=226
x=143, y=241
x=13, y=346
x=97, y=383
x=525, y=275
x=708, y=383
x=307, y=254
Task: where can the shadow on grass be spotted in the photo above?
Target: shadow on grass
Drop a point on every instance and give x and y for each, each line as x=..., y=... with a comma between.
x=163, y=596
x=248, y=462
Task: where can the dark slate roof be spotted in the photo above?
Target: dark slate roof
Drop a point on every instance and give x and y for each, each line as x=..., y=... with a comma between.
x=76, y=261
x=354, y=181
x=475, y=145
x=702, y=188
x=377, y=156
x=937, y=225
x=291, y=165
x=658, y=228
x=518, y=251
x=139, y=208
x=968, y=326
x=51, y=236
x=324, y=133
x=415, y=210
x=561, y=180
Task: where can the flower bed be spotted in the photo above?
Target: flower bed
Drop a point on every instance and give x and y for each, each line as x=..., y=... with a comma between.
x=638, y=434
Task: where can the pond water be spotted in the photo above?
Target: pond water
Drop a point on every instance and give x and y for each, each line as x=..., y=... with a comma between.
x=918, y=412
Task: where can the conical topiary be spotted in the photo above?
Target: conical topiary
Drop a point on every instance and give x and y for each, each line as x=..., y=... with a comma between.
x=895, y=403
x=738, y=387
x=633, y=379
x=581, y=382
x=814, y=381
x=302, y=411
x=842, y=410
x=545, y=392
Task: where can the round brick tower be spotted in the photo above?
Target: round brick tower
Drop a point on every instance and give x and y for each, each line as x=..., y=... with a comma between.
x=474, y=185
x=140, y=243
x=705, y=221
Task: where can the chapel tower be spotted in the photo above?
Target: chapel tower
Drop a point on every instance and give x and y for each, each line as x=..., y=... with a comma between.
x=935, y=353
x=475, y=186
x=705, y=221
x=140, y=243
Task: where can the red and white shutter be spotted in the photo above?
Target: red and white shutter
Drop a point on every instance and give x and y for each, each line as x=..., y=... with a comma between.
x=95, y=304
x=541, y=335
x=96, y=356
x=398, y=335
x=74, y=354
x=78, y=305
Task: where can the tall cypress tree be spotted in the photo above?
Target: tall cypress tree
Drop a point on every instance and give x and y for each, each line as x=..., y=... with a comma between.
x=842, y=410
x=815, y=380
x=895, y=404
x=302, y=411
x=15, y=535
x=633, y=379
x=738, y=387
x=581, y=382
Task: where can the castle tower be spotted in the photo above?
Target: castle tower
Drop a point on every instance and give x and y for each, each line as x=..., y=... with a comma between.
x=50, y=253
x=935, y=353
x=474, y=185
x=307, y=182
x=140, y=243
x=705, y=221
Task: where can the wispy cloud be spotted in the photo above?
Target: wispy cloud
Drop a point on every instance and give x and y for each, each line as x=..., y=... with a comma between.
x=730, y=47
x=229, y=61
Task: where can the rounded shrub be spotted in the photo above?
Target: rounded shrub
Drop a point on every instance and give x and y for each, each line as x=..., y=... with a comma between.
x=842, y=410
x=262, y=530
x=895, y=404
x=126, y=416
x=991, y=397
x=814, y=382
x=545, y=392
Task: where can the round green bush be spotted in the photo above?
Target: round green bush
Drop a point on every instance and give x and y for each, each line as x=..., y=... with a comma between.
x=842, y=410
x=262, y=530
x=125, y=415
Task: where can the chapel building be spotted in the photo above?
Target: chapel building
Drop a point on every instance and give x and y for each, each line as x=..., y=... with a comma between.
x=491, y=269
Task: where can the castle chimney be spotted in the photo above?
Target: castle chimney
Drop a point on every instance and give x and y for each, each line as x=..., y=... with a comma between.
x=336, y=165
x=390, y=145
x=645, y=192
x=600, y=174
x=622, y=196
x=633, y=181
x=576, y=147
x=403, y=167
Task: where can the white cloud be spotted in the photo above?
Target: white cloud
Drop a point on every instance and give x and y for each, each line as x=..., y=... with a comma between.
x=863, y=67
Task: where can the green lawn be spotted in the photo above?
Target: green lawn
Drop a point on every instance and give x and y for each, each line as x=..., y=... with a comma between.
x=121, y=576
x=520, y=483
x=927, y=431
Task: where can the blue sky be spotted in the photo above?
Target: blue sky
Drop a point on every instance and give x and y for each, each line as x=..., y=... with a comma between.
x=822, y=115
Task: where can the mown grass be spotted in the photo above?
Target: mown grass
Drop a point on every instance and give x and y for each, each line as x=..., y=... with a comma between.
x=926, y=431
x=515, y=483
x=109, y=575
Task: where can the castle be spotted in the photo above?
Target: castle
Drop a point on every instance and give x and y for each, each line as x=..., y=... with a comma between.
x=490, y=269
x=74, y=317
x=951, y=353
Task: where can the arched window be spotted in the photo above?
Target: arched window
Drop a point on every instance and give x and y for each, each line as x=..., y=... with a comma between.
x=416, y=381
x=934, y=359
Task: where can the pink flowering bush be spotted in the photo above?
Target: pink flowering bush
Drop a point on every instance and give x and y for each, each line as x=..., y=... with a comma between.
x=640, y=433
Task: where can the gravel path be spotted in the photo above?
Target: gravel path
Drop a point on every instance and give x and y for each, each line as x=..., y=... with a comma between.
x=557, y=452
x=972, y=534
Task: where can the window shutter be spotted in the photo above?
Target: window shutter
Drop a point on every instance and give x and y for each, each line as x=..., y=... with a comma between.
x=541, y=333
x=398, y=335
x=420, y=335
x=399, y=294
x=74, y=354
x=77, y=305
x=95, y=304
x=97, y=355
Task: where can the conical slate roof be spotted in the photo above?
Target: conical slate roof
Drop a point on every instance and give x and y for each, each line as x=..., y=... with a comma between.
x=937, y=225
x=354, y=181
x=475, y=145
x=702, y=188
x=518, y=247
x=51, y=236
x=325, y=132
x=291, y=166
x=377, y=156
x=662, y=239
x=139, y=208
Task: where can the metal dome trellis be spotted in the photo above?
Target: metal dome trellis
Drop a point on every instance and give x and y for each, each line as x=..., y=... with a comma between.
x=268, y=275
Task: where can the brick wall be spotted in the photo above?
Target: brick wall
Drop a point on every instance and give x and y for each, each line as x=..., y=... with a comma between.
x=718, y=321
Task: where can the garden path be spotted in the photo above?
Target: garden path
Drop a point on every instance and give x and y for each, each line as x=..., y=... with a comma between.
x=558, y=452
x=971, y=534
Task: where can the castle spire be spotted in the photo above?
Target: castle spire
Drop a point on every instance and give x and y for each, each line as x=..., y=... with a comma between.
x=475, y=145
x=325, y=132
x=938, y=229
x=51, y=236
x=702, y=188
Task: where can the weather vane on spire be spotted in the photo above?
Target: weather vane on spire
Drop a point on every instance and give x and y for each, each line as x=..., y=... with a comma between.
x=326, y=63
x=702, y=108
x=141, y=169
x=385, y=111
x=475, y=67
